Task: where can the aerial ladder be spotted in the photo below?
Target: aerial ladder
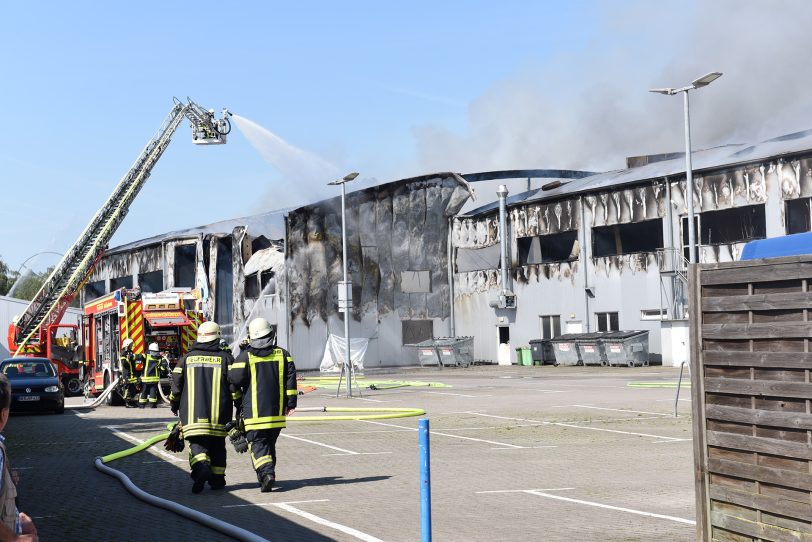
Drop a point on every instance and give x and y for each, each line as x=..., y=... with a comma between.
x=29, y=334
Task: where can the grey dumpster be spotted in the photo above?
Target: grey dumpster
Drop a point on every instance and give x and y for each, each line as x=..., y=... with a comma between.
x=427, y=354
x=543, y=353
x=565, y=349
x=589, y=348
x=629, y=348
x=457, y=351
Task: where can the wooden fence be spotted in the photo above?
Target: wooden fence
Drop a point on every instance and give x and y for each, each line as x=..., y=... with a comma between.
x=751, y=324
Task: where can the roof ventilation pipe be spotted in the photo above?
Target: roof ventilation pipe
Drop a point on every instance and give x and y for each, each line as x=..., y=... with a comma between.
x=506, y=300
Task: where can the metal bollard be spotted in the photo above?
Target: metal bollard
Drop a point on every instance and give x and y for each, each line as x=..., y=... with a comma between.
x=425, y=481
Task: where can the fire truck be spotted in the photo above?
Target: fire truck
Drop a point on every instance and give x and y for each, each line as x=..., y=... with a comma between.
x=37, y=331
x=169, y=318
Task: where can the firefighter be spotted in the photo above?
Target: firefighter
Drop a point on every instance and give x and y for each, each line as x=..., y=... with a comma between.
x=224, y=346
x=151, y=378
x=129, y=373
x=267, y=377
x=200, y=392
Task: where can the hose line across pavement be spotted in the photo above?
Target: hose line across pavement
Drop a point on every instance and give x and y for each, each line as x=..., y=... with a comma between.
x=228, y=529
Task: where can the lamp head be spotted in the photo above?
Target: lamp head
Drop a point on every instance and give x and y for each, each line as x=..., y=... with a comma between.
x=706, y=79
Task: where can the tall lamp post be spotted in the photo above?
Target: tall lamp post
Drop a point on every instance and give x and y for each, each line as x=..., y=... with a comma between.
x=703, y=81
x=346, y=295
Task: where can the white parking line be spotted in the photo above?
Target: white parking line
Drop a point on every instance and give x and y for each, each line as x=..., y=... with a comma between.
x=610, y=507
x=561, y=424
x=457, y=394
x=500, y=444
x=139, y=441
x=327, y=523
x=272, y=503
x=672, y=440
x=524, y=490
x=336, y=448
x=622, y=410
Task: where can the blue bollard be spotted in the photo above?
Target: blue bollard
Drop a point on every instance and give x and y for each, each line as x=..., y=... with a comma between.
x=425, y=481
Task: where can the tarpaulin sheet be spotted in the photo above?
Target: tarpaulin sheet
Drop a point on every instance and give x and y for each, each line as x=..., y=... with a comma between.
x=335, y=352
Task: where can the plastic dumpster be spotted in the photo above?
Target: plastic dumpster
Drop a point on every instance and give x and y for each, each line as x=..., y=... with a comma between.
x=427, y=354
x=457, y=351
x=565, y=349
x=524, y=355
x=542, y=350
x=628, y=348
x=589, y=348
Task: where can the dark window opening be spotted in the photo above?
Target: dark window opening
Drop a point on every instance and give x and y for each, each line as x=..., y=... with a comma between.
x=251, y=286
x=260, y=243
x=556, y=247
x=607, y=321
x=645, y=236
x=504, y=335
x=94, y=289
x=268, y=280
x=224, y=288
x=550, y=326
x=729, y=226
x=121, y=282
x=416, y=331
x=185, y=256
x=151, y=282
x=798, y=219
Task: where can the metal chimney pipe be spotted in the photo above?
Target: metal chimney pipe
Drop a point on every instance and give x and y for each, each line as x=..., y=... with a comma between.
x=502, y=192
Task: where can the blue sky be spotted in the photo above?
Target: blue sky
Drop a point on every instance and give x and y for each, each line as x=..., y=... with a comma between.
x=388, y=89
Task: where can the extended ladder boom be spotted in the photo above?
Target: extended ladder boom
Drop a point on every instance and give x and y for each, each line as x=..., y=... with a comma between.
x=67, y=278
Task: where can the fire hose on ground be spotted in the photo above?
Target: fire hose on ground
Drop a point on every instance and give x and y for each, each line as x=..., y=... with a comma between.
x=228, y=529
x=98, y=401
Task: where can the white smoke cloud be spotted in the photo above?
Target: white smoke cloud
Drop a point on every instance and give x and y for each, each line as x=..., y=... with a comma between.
x=591, y=109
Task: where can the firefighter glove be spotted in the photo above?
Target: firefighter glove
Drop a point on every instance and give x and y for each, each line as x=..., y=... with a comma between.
x=236, y=437
x=174, y=442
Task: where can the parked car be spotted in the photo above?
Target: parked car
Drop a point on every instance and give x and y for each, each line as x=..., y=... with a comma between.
x=35, y=385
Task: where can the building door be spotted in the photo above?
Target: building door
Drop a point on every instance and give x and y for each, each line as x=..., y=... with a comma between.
x=503, y=356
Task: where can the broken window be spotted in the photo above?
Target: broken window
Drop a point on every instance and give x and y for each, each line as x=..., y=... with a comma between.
x=251, y=286
x=645, y=236
x=798, y=216
x=477, y=259
x=267, y=278
x=94, y=289
x=416, y=331
x=224, y=287
x=729, y=226
x=185, y=257
x=556, y=247
x=607, y=321
x=151, y=282
x=550, y=326
x=121, y=282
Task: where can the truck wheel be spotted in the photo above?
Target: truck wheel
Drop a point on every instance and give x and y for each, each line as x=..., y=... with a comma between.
x=73, y=386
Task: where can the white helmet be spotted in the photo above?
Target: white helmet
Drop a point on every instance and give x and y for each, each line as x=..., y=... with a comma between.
x=259, y=328
x=154, y=348
x=208, y=332
x=126, y=343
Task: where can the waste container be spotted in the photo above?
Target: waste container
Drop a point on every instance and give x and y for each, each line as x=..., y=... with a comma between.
x=542, y=350
x=524, y=355
x=629, y=348
x=457, y=351
x=427, y=354
x=589, y=348
x=565, y=349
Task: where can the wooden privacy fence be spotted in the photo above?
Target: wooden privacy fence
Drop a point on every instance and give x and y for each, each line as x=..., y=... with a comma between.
x=751, y=324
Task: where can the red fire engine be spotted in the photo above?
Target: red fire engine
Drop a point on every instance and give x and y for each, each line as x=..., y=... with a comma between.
x=169, y=318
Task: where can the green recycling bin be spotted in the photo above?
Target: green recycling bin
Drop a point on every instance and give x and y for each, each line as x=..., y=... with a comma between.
x=524, y=355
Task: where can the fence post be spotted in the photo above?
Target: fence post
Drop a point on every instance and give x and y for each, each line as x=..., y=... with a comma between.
x=425, y=481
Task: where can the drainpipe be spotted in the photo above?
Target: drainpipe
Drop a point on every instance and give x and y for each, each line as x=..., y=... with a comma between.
x=502, y=192
x=452, y=328
x=585, y=264
x=669, y=217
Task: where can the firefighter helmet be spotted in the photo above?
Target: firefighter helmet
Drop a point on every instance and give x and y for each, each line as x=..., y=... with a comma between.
x=259, y=328
x=154, y=348
x=126, y=343
x=208, y=332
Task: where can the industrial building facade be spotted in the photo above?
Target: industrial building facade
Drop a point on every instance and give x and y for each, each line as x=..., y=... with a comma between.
x=591, y=252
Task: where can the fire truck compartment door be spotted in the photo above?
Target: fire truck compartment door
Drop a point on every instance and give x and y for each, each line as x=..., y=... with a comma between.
x=167, y=319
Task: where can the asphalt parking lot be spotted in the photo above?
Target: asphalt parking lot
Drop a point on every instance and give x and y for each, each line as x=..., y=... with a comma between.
x=517, y=453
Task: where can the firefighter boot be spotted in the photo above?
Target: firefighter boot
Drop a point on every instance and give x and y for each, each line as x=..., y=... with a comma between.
x=201, y=473
x=217, y=481
x=267, y=482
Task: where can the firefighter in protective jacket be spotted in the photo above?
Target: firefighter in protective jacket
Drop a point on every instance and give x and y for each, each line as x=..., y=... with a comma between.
x=129, y=372
x=200, y=392
x=267, y=376
x=151, y=378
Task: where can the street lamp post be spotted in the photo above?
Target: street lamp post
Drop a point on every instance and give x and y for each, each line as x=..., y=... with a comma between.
x=345, y=284
x=703, y=81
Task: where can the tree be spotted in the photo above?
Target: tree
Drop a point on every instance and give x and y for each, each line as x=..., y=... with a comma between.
x=7, y=277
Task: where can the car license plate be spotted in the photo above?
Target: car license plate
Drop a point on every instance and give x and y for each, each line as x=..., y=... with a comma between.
x=29, y=398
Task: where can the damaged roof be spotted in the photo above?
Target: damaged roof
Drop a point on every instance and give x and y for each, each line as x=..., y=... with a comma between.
x=702, y=160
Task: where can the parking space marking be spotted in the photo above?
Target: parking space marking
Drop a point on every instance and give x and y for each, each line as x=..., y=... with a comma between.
x=500, y=444
x=524, y=490
x=457, y=394
x=562, y=424
x=327, y=523
x=622, y=410
x=272, y=503
x=672, y=440
x=610, y=507
x=139, y=441
x=336, y=448
x=370, y=432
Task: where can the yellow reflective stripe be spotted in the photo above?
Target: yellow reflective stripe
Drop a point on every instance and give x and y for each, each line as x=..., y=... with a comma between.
x=190, y=397
x=240, y=365
x=215, y=395
x=197, y=458
x=261, y=461
x=270, y=425
x=218, y=470
x=281, y=366
x=177, y=370
x=203, y=360
x=254, y=403
x=265, y=419
x=291, y=392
